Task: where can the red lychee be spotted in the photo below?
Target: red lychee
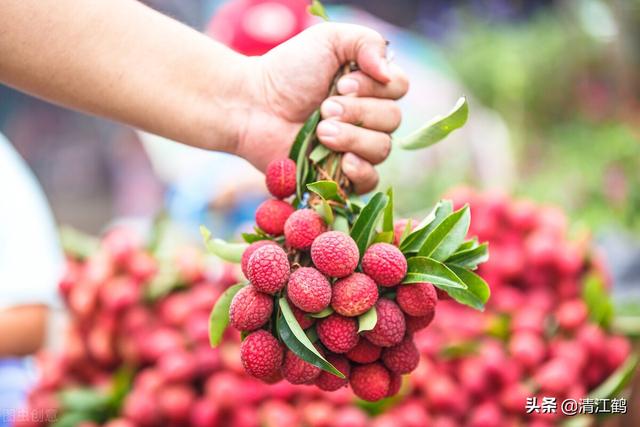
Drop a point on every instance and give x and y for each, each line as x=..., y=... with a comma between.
x=141, y=408
x=327, y=381
x=261, y=354
x=402, y=358
x=354, y=295
x=205, y=414
x=395, y=382
x=302, y=227
x=250, y=309
x=399, y=228
x=175, y=402
x=177, y=366
x=385, y=264
x=335, y=254
x=268, y=269
x=338, y=333
x=527, y=348
x=297, y=371
x=281, y=178
x=309, y=290
x=390, y=327
x=370, y=382
x=417, y=299
x=305, y=321
x=244, y=263
x=364, y=352
x=572, y=314
x=272, y=214
x=415, y=324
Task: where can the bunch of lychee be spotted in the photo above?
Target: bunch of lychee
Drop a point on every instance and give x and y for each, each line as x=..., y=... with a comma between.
x=328, y=284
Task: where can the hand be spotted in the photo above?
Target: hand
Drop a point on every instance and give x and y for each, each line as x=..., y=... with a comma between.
x=291, y=81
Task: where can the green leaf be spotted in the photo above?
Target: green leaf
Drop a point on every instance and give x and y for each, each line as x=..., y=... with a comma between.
x=616, y=383
x=231, y=252
x=321, y=314
x=387, y=219
x=407, y=230
x=598, y=301
x=219, y=318
x=253, y=237
x=84, y=400
x=317, y=9
x=327, y=189
x=469, y=244
x=422, y=269
x=297, y=341
x=368, y=320
x=470, y=258
x=300, y=148
x=341, y=223
x=384, y=237
x=458, y=350
x=437, y=128
x=477, y=293
x=325, y=211
x=319, y=153
x=367, y=220
x=447, y=236
x=72, y=419
x=415, y=240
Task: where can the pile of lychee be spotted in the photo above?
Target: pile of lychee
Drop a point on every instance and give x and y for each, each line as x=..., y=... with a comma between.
x=328, y=284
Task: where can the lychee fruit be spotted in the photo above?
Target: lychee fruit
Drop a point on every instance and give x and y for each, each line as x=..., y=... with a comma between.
x=527, y=348
x=385, y=264
x=329, y=382
x=244, y=263
x=268, y=269
x=297, y=371
x=370, y=382
x=335, y=254
x=309, y=290
x=354, y=295
x=417, y=299
x=271, y=216
x=390, y=327
x=338, y=333
x=250, y=309
x=364, y=352
x=261, y=355
x=281, y=178
x=305, y=321
x=402, y=358
x=399, y=228
x=395, y=382
x=572, y=314
x=302, y=227
x=415, y=324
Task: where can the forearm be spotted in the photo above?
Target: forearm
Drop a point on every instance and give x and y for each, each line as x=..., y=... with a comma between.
x=22, y=330
x=121, y=60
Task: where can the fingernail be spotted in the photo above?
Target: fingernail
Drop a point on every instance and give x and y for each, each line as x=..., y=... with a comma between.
x=332, y=109
x=327, y=129
x=347, y=85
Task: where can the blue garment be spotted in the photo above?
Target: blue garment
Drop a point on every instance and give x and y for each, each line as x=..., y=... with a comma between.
x=15, y=381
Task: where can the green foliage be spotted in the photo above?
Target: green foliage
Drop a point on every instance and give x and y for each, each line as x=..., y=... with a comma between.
x=613, y=386
x=368, y=320
x=414, y=241
x=326, y=189
x=437, y=128
x=317, y=9
x=364, y=226
x=447, y=236
x=300, y=150
x=298, y=342
x=219, y=318
x=231, y=252
x=598, y=301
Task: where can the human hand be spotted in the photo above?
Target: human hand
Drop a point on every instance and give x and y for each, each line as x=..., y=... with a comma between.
x=287, y=84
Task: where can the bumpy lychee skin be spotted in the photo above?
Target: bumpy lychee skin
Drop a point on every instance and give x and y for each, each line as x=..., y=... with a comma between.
x=370, y=382
x=305, y=321
x=417, y=299
x=391, y=326
x=338, y=333
x=354, y=295
x=268, y=269
x=335, y=254
x=327, y=381
x=261, y=355
x=244, y=263
x=302, y=227
x=309, y=290
x=250, y=309
x=402, y=358
x=271, y=216
x=395, y=383
x=281, y=178
x=415, y=324
x=297, y=371
x=385, y=264
x=364, y=352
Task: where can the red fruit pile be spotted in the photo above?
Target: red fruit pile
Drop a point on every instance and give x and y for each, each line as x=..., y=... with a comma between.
x=326, y=294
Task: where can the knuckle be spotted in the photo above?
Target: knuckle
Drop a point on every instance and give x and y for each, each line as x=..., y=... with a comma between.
x=395, y=115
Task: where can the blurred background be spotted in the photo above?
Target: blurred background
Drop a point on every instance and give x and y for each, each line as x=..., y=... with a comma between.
x=554, y=94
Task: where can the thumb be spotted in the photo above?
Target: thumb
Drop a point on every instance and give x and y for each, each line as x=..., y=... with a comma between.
x=364, y=46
